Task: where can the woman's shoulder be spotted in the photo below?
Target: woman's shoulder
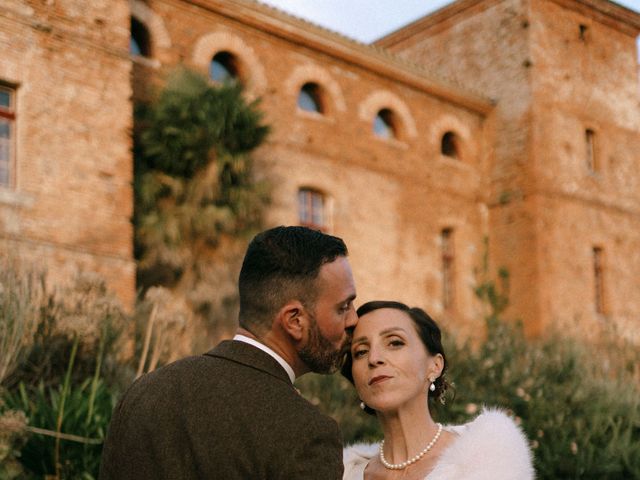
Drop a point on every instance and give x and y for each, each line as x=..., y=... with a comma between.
x=492, y=446
x=355, y=459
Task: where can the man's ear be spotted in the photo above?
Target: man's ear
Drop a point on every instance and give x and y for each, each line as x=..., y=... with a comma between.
x=293, y=319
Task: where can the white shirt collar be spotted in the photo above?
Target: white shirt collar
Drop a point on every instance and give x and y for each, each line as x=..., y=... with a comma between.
x=264, y=348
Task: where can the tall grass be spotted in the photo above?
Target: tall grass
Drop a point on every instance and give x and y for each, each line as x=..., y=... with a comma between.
x=21, y=293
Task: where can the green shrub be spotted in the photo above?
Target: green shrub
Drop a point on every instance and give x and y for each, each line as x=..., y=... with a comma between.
x=582, y=421
x=65, y=383
x=86, y=415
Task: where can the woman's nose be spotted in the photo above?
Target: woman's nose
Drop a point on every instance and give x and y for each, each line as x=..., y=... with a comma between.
x=375, y=356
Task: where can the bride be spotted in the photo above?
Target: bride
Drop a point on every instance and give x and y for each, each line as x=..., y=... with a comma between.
x=397, y=364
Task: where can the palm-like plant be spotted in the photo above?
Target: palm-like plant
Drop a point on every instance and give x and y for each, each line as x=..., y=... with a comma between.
x=196, y=201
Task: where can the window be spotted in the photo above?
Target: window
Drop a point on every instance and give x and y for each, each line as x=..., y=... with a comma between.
x=448, y=258
x=590, y=144
x=384, y=124
x=140, y=41
x=309, y=98
x=449, y=145
x=311, y=209
x=598, y=282
x=223, y=67
x=583, y=30
x=7, y=128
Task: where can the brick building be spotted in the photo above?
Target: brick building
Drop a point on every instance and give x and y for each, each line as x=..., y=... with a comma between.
x=507, y=126
x=65, y=151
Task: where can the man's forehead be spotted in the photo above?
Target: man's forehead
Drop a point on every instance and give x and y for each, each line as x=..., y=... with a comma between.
x=337, y=274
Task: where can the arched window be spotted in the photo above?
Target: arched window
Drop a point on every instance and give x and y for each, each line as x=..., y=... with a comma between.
x=309, y=98
x=223, y=67
x=312, y=209
x=449, y=145
x=384, y=124
x=140, y=41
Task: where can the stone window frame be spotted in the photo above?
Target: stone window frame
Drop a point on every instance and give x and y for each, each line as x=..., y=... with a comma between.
x=307, y=208
x=251, y=72
x=404, y=123
x=159, y=38
x=465, y=142
x=332, y=98
x=9, y=114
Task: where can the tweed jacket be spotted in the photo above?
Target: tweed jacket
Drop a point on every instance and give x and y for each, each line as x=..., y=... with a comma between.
x=229, y=414
x=491, y=447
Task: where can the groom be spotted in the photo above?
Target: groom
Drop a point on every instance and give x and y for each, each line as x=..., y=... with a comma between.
x=233, y=413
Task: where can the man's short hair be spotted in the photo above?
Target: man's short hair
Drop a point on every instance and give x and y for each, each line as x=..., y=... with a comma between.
x=282, y=264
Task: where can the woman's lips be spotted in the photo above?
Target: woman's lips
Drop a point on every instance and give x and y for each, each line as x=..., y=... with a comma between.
x=378, y=379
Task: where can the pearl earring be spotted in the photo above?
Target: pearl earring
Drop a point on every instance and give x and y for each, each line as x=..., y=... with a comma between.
x=363, y=405
x=432, y=387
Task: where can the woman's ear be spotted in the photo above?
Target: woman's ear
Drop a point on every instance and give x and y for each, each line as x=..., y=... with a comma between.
x=293, y=319
x=437, y=366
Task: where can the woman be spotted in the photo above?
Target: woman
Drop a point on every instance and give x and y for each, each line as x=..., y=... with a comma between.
x=397, y=365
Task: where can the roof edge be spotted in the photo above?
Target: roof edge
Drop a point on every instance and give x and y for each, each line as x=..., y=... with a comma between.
x=274, y=21
x=432, y=18
x=606, y=11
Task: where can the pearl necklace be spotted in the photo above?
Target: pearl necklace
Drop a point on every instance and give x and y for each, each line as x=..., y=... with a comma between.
x=405, y=464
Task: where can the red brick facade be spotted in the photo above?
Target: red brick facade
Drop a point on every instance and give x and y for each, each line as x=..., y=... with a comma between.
x=517, y=82
x=70, y=200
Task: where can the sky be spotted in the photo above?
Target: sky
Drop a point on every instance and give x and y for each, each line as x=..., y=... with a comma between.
x=368, y=20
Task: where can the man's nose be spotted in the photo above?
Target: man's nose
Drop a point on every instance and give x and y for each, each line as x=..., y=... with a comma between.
x=352, y=321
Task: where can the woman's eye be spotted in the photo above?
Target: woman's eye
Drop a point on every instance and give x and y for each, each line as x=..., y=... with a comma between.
x=396, y=343
x=359, y=353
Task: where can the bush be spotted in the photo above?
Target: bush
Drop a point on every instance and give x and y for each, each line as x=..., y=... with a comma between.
x=64, y=386
x=582, y=421
x=71, y=426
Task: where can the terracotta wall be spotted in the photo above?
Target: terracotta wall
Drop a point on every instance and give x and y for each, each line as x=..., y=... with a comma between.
x=389, y=199
x=70, y=205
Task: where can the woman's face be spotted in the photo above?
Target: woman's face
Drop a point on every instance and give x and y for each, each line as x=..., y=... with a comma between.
x=391, y=365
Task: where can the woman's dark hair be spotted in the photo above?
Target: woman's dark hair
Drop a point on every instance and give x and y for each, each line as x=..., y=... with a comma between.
x=428, y=331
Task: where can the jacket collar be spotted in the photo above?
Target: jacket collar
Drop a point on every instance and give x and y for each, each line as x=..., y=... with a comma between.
x=245, y=354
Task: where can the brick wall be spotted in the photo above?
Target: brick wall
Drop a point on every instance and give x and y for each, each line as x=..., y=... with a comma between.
x=389, y=199
x=556, y=68
x=71, y=203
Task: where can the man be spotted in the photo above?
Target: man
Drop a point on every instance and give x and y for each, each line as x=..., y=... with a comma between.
x=233, y=413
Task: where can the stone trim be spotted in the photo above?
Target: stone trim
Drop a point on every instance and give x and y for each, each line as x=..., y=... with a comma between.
x=380, y=99
x=332, y=96
x=251, y=70
x=157, y=30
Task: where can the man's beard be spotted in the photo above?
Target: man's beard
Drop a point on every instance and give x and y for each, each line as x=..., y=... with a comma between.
x=319, y=354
